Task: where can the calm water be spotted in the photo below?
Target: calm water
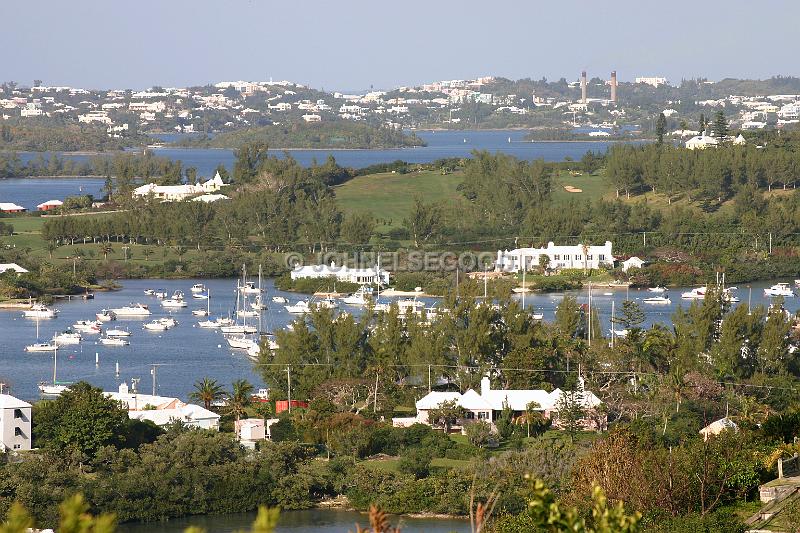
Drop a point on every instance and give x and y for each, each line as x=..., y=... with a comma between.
x=188, y=353
x=441, y=144
x=310, y=521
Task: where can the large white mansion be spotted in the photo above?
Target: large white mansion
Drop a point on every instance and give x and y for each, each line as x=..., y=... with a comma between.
x=578, y=256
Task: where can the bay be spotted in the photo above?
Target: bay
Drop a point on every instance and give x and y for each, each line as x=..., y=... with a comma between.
x=188, y=353
x=307, y=521
x=441, y=144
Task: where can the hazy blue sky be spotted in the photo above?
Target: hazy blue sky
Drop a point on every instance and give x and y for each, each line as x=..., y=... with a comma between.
x=352, y=44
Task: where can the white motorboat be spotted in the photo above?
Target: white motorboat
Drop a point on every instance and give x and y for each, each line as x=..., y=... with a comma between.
x=177, y=301
x=106, y=316
x=67, y=337
x=326, y=303
x=38, y=310
x=209, y=324
x=382, y=307
x=698, y=293
x=657, y=300
x=91, y=327
x=280, y=300
x=114, y=341
x=619, y=332
x=658, y=290
x=360, y=297
x=249, y=287
x=156, y=325
x=200, y=296
x=410, y=306
x=779, y=289
x=118, y=333
x=132, y=310
x=200, y=312
x=169, y=321
x=241, y=329
x=537, y=316
x=150, y=292
x=299, y=308
x=253, y=352
x=41, y=347
x=245, y=313
x=198, y=288
x=160, y=294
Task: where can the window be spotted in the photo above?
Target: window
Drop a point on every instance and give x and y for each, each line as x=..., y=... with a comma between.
x=483, y=415
x=470, y=415
x=589, y=257
x=557, y=257
x=17, y=413
x=566, y=257
x=578, y=257
x=601, y=257
x=17, y=446
x=18, y=432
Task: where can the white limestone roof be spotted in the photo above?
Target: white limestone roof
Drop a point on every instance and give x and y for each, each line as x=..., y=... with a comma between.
x=474, y=402
x=12, y=266
x=517, y=400
x=10, y=402
x=434, y=399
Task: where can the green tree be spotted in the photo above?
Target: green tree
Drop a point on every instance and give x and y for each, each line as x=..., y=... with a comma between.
x=720, y=127
x=105, y=249
x=82, y=418
x=568, y=316
x=207, y=391
x=416, y=461
x=661, y=128
x=423, y=222
x=570, y=410
x=478, y=433
x=446, y=414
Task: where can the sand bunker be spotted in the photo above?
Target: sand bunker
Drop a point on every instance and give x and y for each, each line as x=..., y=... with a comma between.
x=570, y=188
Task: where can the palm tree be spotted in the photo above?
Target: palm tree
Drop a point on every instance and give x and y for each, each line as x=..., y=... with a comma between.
x=105, y=249
x=240, y=398
x=207, y=391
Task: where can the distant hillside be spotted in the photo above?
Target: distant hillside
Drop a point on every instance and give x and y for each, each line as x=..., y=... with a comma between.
x=310, y=135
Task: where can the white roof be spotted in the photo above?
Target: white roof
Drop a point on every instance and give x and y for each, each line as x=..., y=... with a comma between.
x=208, y=198
x=434, y=399
x=186, y=413
x=12, y=266
x=589, y=399
x=717, y=426
x=56, y=203
x=10, y=402
x=9, y=206
x=474, y=402
x=517, y=400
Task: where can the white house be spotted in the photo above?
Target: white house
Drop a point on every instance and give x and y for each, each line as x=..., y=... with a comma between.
x=15, y=424
x=95, y=116
x=210, y=198
x=701, y=142
x=249, y=431
x=632, y=262
x=739, y=140
x=163, y=410
x=214, y=184
x=489, y=403
x=718, y=426
x=5, y=267
x=362, y=276
x=577, y=256
x=169, y=193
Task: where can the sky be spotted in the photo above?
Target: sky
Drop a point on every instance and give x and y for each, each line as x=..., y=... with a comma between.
x=358, y=44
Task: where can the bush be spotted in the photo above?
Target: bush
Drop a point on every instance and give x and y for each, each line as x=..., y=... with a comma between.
x=416, y=462
x=478, y=433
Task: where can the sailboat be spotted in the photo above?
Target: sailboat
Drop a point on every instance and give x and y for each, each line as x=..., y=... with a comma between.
x=55, y=388
x=41, y=346
x=207, y=310
x=241, y=294
x=259, y=305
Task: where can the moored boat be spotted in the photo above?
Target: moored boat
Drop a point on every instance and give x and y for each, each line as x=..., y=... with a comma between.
x=38, y=310
x=132, y=310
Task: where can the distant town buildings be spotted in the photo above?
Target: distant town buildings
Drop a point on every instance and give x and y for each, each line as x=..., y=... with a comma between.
x=654, y=81
x=163, y=410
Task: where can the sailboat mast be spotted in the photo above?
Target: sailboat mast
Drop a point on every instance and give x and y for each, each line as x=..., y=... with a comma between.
x=523, y=288
x=55, y=362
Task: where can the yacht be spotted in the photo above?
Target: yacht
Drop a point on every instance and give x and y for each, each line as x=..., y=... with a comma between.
x=779, y=289
x=175, y=302
x=38, y=310
x=299, y=308
x=658, y=290
x=619, y=332
x=360, y=297
x=106, y=316
x=410, y=306
x=245, y=313
x=160, y=294
x=168, y=321
x=660, y=299
x=698, y=293
x=326, y=303
x=249, y=287
x=42, y=347
x=200, y=296
x=91, y=327
x=114, y=341
x=55, y=388
x=132, y=310
x=118, y=333
x=241, y=342
x=156, y=325
x=280, y=300
x=67, y=337
x=537, y=316
x=200, y=312
x=198, y=288
x=241, y=329
x=149, y=292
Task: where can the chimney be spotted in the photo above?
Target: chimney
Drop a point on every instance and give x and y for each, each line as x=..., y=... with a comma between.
x=486, y=385
x=583, y=87
x=613, y=86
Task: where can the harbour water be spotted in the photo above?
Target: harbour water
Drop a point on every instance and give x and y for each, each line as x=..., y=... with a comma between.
x=188, y=353
x=308, y=521
x=441, y=144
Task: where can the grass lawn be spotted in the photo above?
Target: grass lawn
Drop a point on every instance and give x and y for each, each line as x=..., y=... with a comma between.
x=392, y=465
x=389, y=197
x=592, y=186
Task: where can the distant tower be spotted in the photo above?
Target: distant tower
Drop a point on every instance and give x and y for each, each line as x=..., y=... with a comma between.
x=613, y=86
x=583, y=87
